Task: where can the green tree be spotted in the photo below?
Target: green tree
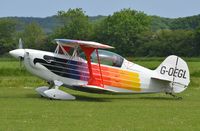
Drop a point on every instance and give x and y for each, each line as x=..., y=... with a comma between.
x=197, y=42
x=167, y=42
x=159, y=23
x=33, y=36
x=7, y=33
x=186, y=23
x=76, y=25
x=122, y=30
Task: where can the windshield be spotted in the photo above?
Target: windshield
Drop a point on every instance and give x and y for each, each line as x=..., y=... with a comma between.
x=106, y=58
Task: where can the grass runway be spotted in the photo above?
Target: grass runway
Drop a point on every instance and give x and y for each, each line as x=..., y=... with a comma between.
x=22, y=109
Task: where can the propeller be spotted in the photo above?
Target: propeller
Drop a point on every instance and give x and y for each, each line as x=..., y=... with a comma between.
x=20, y=46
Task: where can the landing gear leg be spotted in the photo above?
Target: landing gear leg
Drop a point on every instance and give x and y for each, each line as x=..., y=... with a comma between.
x=171, y=94
x=51, y=84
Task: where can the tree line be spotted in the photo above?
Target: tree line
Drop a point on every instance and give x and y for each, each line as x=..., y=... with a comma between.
x=131, y=33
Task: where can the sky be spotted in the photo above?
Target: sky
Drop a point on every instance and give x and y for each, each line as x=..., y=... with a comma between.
x=44, y=8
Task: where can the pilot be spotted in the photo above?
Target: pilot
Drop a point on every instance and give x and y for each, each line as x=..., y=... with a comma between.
x=114, y=61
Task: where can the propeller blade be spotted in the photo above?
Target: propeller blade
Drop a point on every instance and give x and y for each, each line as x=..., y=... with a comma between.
x=20, y=46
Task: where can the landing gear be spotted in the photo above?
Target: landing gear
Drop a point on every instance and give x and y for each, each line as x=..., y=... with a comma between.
x=53, y=91
x=176, y=97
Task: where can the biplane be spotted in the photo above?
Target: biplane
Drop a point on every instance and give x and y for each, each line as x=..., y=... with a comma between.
x=89, y=66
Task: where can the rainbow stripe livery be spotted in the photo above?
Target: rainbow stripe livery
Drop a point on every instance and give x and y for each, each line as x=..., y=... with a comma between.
x=97, y=70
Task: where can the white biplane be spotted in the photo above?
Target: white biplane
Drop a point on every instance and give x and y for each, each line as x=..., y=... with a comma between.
x=98, y=70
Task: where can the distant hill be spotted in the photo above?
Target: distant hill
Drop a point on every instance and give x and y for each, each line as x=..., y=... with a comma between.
x=185, y=23
x=51, y=23
x=47, y=23
x=160, y=23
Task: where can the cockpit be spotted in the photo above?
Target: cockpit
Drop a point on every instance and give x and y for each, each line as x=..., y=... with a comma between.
x=107, y=58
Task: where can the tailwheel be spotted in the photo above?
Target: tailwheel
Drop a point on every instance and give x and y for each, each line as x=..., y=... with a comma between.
x=53, y=91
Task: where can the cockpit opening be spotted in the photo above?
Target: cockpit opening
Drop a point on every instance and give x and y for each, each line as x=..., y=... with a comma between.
x=106, y=58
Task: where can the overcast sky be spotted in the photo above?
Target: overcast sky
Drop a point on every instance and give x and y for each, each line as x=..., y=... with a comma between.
x=44, y=8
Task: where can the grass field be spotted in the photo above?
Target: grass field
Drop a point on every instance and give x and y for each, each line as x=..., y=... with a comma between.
x=22, y=109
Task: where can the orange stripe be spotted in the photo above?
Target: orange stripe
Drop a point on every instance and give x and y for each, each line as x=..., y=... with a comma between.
x=117, y=77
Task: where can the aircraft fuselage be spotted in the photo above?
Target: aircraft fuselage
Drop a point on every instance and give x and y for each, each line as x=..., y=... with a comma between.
x=129, y=78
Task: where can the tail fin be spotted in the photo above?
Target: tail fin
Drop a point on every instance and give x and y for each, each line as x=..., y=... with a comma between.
x=175, y=70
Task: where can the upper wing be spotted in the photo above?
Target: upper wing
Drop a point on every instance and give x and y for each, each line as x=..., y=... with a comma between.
x=74, y=43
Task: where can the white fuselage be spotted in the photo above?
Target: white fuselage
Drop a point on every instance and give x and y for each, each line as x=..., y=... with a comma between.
x=36, y=64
